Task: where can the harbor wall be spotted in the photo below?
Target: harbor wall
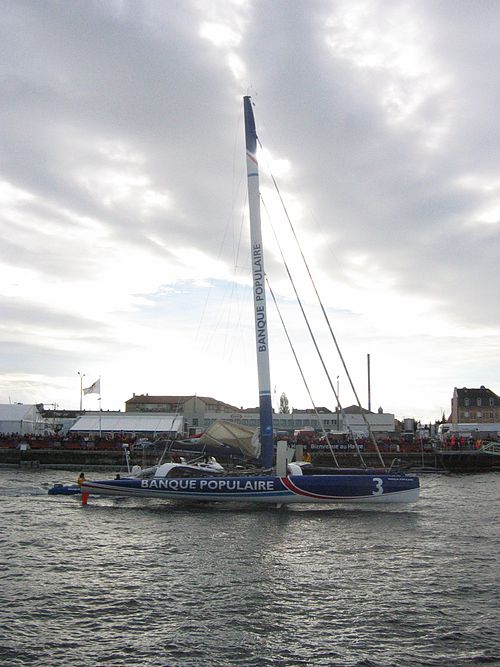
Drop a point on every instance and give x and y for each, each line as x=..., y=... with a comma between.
x=85, y=459
x=70, y=459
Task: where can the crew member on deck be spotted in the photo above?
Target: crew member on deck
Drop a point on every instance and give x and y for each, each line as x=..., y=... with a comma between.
x=81, y=479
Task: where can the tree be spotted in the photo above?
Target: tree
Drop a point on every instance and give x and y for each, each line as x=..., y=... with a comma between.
x=284, y=406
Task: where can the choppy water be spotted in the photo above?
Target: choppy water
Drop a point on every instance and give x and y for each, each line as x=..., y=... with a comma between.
x=141, y=582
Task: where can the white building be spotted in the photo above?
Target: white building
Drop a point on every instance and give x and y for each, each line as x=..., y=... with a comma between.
x=199, y=412
x=379, y=423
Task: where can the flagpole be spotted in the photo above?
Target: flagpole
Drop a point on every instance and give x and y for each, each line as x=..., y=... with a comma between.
x=82, y=375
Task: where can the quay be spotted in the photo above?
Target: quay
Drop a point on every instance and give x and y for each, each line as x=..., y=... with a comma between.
x=460, y=461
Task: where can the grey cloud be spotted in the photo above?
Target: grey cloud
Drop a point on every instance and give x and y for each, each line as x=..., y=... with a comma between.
x=376, y=188
x=117, y=78
x=32, y=359
x=79, y=76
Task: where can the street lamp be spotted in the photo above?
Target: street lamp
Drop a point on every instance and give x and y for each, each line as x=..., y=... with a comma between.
x=82, y=375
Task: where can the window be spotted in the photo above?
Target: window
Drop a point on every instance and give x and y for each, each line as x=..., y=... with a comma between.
x=184, y=472
x=479, y=414
x=466, y=413
x=479, y=402
x=492, y=402
x=466, y=402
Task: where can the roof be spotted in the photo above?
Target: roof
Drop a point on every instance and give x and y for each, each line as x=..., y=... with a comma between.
x=59, y=414
x=473, y=394
x=128, y=423
x=176, y=400
x=16, y=411
x=356, y=410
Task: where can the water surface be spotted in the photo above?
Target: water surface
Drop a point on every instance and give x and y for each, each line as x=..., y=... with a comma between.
x=146, y=582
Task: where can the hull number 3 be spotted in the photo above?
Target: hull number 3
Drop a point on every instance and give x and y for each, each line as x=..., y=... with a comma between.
x=379, y=489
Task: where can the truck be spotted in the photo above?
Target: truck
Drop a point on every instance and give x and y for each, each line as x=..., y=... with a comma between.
x=482, y=431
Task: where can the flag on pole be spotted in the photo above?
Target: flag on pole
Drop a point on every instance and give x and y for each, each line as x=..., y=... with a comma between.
x=94, y=388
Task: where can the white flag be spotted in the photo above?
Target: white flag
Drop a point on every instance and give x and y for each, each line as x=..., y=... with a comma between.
x=94, y=388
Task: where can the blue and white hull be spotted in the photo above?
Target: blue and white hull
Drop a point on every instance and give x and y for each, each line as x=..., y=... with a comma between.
x=64, y=490
x=394, y=488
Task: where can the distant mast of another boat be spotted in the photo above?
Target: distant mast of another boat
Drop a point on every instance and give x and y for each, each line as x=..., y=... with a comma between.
x=259, y=290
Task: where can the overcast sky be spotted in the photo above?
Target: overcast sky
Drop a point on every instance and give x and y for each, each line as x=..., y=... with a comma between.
x=124, y=234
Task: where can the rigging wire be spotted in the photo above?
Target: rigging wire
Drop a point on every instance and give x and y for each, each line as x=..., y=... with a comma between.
x=214, y=333
x=311, y=333
x=302, y=373
x=372, y=438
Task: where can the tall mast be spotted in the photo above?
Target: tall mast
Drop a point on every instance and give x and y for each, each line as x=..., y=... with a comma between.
x=259, y=290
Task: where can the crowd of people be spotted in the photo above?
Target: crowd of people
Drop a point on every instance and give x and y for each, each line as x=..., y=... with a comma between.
x=69, y=441
x=462, y=442
x=311, y=444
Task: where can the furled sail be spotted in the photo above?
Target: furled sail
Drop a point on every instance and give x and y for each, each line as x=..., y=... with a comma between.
x=240, y=437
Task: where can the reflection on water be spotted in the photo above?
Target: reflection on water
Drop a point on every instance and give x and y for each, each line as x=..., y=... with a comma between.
x=142, y=582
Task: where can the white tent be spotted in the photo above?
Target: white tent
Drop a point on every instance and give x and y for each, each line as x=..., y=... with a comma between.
x=21, y=419
x=153, y=424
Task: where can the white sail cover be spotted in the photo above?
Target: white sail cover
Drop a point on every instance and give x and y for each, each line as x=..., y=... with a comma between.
x=223, y=432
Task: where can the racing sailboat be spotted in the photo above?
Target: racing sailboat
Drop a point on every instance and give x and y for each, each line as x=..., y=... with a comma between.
x=279, y=480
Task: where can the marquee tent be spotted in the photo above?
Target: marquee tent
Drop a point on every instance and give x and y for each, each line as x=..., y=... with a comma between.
x=151, y=424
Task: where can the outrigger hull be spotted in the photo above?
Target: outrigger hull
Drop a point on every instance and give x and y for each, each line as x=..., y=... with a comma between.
x=388, y=488
x=65, y=490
